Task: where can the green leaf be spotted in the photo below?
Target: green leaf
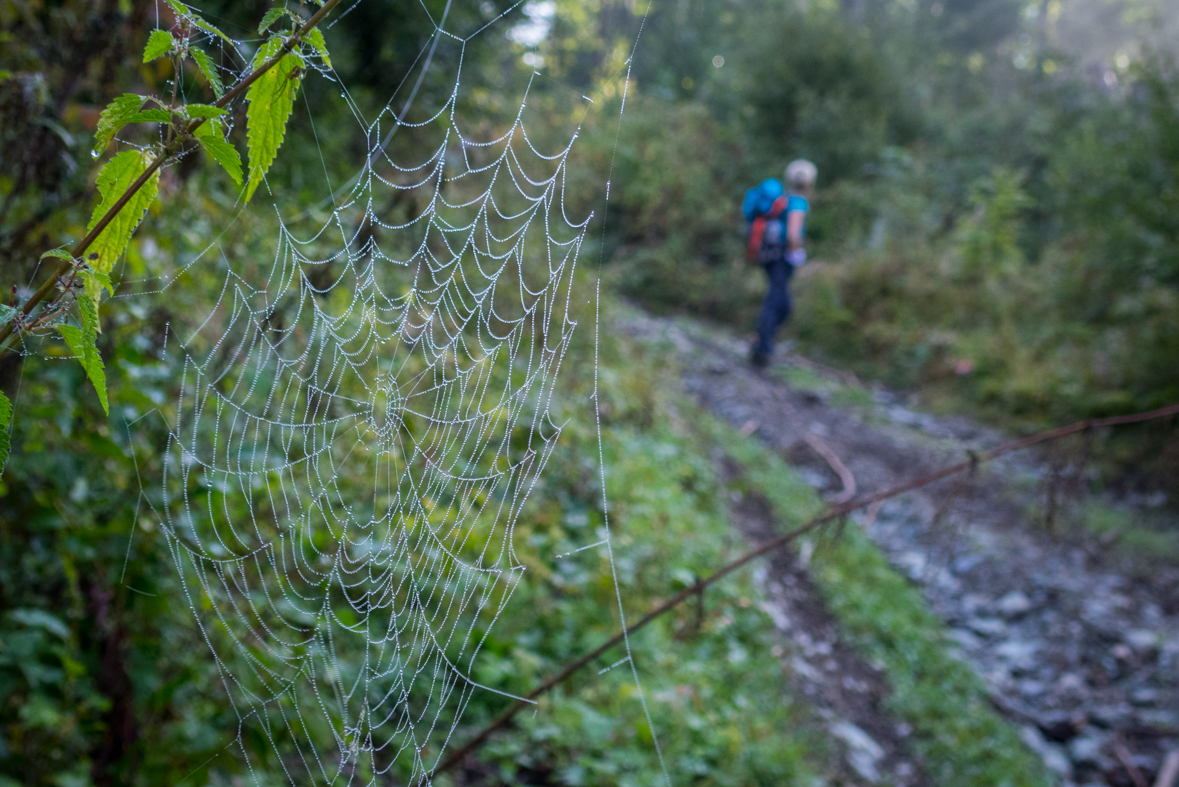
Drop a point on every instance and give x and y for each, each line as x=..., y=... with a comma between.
x=187, y=13
x=60, y=254
x=270, y=17
x=5, y=420
x=7, y=313
x=206, y=66
x=159, y=43
x=117, y=114
x=98, y=280
x=271, y=97
x=221, y=151
x=315, y=38
x=116, y=177
x=83, y=342
x=204, y=111
x=152, y=116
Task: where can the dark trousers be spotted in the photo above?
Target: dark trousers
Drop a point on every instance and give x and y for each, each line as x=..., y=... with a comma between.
x=775, y=310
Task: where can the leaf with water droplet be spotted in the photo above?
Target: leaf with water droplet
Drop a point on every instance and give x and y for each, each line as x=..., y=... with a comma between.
x=271, y=99
x=117, y=114
x=159, y=43
x=115, y=179
x=208, y=69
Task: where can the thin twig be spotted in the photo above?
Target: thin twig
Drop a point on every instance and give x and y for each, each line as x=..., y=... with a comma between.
x=1123, y=755
x=1170, y=770
x=47, y=287
x=835, y=513
x=845, y=475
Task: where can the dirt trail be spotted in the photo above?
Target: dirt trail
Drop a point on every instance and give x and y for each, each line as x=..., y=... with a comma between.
x=1082, y=658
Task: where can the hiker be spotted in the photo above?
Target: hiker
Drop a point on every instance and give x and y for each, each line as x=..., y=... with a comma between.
x=777, y=231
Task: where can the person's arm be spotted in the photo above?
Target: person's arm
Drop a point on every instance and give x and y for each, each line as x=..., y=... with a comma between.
x=794, y=222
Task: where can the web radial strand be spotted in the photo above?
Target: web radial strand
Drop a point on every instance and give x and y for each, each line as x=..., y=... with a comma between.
x=358, y=427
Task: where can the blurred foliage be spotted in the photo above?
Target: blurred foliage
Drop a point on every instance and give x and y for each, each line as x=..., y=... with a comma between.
x=991, y=226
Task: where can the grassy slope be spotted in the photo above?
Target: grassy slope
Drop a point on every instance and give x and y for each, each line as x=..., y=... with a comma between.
x=713, y=685
x=964, y=742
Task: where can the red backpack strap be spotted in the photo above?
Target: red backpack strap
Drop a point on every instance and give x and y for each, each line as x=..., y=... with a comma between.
x=777, y=208
x=756, y=230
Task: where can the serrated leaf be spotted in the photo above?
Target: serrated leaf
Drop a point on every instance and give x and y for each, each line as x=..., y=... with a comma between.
x=5, y=420
x=117, y=114
x=271, y=99
x=270, y=17
x=206, y=66
x=75, y=340
x=116, y=177
x=99, y=280
x=7, y=313
x=151, y=116
x=223, y=153
x=159, y=43
x=60, y=254
x=315, y=38
x=84, y=344
x=204, y=111
x=184, y=11
x=210, y=128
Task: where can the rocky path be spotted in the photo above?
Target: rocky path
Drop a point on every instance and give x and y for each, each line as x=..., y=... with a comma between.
x=1082, y=657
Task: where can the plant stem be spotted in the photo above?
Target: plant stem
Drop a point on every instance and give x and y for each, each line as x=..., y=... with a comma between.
x=184, y=132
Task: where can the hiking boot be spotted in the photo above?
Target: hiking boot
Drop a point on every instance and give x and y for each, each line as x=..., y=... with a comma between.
x=759, y=359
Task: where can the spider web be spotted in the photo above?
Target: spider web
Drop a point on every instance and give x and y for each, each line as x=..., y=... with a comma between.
x=358, y=427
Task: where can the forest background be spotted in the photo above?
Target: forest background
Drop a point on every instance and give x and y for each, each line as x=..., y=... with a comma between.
x=996, y=225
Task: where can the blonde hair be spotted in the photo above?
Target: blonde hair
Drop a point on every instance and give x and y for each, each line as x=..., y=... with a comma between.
x=801, y=174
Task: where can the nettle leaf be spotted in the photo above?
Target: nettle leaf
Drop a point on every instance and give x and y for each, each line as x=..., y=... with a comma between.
x=117, y=114
x=152, y=116
x=212, y=140
x=315, y=38
x=271, y=17
x=159, y=43
x=116, y=177
x=206, y=66
x=83, y=342
x=60, y=254
x=271, y=100
x=204, y=111
x=192, y=16
x=99, y=280
x=5, y=420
